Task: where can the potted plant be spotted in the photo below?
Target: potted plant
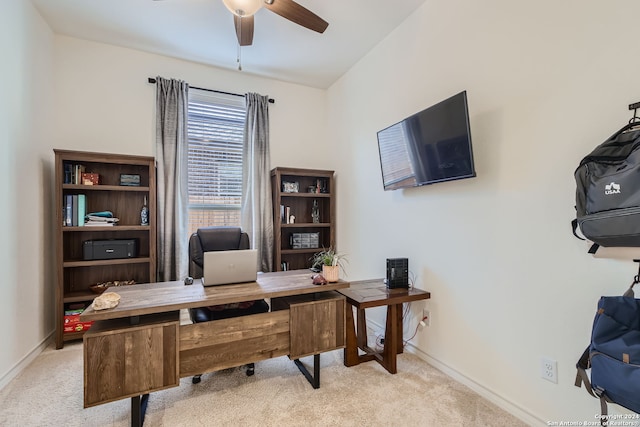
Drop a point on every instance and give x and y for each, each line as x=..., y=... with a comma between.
x=331, y=262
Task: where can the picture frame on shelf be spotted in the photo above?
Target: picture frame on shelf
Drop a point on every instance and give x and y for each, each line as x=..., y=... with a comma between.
x=290, y=187
x=130, y=180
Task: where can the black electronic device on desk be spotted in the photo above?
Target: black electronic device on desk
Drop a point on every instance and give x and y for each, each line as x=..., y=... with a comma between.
x=109, y=249
x=397, y=273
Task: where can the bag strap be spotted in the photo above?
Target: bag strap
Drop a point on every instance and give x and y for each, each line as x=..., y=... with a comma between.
x=574, y=226
x=594, y=247
x=582, y=377
x=581, y=374
x=629, y=292
x=604, y=419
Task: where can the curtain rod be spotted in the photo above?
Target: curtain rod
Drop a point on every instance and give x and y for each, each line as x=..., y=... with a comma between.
x=271, y=101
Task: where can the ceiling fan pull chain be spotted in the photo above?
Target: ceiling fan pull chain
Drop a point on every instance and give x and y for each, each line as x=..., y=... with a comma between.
x=239, y=58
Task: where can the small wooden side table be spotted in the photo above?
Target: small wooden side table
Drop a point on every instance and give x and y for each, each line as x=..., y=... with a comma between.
x=374, y=293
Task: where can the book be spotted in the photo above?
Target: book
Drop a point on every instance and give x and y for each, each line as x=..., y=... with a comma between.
x=77, y=173
x=90, y=223
x=74, y=210
x=101, y=214
x=68, y=172
x=82, y=208
x=68, y=208
x=103, y=220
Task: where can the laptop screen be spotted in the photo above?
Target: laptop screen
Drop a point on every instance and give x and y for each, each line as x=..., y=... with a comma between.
x=227, y=267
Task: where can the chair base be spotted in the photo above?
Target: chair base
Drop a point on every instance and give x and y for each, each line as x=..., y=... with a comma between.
x=251, y=370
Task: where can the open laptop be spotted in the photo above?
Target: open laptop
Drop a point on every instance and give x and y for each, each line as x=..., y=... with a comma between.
x=227, y=267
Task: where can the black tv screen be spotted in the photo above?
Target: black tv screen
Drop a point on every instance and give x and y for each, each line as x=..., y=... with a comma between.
x=431, y=146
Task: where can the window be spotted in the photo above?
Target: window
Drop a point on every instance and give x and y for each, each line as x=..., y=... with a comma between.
x=215, y=131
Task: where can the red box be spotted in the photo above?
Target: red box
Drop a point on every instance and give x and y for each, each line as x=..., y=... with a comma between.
x=90, y=179
x=72, y=323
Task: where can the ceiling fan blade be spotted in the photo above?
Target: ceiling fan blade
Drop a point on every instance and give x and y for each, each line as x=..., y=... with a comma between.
x=292, y=11
x=244, y=29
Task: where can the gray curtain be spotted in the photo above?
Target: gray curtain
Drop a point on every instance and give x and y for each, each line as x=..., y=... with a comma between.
x=257, y=212
x=171, y=159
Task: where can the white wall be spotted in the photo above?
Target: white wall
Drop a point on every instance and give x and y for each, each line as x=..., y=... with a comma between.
x=104, y=103
x=26, y=309
x=547, y=81
x=61, y=92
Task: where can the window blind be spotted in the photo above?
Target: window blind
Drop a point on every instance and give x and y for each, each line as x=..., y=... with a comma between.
x=215, y=132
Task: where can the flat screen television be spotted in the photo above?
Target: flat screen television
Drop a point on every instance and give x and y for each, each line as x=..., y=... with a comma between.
x=431, y=146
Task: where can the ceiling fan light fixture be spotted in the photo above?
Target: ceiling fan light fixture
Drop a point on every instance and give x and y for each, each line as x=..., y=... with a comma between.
x=243, y=8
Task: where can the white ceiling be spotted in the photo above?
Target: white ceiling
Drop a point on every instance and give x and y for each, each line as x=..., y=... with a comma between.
x=203, y=31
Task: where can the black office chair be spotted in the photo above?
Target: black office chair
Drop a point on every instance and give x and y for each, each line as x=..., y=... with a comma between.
x=209, y=239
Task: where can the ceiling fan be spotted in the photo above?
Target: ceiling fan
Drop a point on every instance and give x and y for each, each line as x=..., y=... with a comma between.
x=243, y=11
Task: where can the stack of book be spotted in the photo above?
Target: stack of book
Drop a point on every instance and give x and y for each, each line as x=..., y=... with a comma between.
x=74, y=209
x=285, y=214
x=73, y=173
x=101, y=219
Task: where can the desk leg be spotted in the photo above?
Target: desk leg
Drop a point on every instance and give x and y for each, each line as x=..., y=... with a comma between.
x=138, y=409
x=350, y=351
x=363, y=342
x=400, y=331
x=315, y=379
x=390, y=339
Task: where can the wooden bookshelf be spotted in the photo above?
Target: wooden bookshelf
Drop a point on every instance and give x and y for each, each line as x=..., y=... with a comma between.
x=300, y=205
x=74, y=273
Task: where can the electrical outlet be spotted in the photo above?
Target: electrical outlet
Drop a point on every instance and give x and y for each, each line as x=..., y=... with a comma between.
x=549, y=369
x=426, y=318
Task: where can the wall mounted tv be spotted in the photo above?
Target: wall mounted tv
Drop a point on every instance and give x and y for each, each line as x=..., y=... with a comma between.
x=431, y=146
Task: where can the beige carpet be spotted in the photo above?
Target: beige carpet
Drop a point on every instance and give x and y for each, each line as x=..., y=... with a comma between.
x=49, y=393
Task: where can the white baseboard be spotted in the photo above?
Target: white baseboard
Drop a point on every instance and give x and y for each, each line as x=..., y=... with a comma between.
x=25, y=361
x=491, y=396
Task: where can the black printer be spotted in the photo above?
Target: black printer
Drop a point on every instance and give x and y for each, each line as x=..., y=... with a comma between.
x=109, y=249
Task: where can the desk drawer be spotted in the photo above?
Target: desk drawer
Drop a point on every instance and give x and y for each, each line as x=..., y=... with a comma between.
x=317, y=322
x=220, y=344
x=122, y=360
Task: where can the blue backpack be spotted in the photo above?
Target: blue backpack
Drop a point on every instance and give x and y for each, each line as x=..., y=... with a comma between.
x=614, y=353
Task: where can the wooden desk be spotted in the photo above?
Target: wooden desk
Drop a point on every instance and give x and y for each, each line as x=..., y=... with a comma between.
x=374, y=293
x=163, y=297
x=140, y=346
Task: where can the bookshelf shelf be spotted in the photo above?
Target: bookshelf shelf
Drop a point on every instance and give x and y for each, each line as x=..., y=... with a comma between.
x=300, y=205
x=116, y=228
x=306, y=251
x=100, y=187
x=306, y=195
x=79, y=296
x=307, y=225
x=72, y=336
x=74, y=274
x=106, y=262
